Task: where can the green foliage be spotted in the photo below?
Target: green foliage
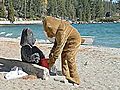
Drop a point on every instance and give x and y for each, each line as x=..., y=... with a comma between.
x=118, y=6
x=53, y=8
x=61, y=8
x=2, y=11
x=70, y=9
x=99, y=9
x=11, y=12
x=81, y=10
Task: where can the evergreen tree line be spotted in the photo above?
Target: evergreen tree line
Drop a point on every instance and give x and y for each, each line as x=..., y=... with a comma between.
x=82, y=10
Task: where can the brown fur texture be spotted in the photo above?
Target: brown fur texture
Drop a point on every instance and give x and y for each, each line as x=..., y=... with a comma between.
x=67, y=42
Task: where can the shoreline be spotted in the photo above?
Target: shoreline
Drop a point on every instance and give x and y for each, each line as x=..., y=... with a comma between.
x=20, y=22
x=47, y=42
x=40, y=22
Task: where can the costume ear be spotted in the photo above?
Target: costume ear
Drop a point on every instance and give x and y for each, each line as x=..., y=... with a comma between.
x=23, y=37
x=30, y=38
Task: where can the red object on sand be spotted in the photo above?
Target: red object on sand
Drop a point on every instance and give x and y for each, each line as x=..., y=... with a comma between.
x=44, y=63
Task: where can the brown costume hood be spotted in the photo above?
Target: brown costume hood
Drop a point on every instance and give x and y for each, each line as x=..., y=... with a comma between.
x=51, y=25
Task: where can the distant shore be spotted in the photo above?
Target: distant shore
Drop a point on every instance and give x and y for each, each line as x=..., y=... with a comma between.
x=93, y=22
x=40, y=22
x=20, y=22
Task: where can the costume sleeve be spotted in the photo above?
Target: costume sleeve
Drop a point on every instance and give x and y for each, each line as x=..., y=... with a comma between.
x=54, y=46
x=60, y=40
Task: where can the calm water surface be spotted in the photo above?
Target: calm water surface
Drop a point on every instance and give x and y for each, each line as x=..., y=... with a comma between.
x=105, y=34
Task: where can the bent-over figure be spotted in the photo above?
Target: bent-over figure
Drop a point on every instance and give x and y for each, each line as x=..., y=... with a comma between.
x=67, y=42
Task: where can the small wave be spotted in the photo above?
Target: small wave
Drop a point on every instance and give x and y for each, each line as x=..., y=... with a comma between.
x=9, y=34
x=19, y=37
x=2, y=33
x=44, y=41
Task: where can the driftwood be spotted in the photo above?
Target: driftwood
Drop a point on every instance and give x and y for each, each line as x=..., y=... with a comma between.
x=31, y=69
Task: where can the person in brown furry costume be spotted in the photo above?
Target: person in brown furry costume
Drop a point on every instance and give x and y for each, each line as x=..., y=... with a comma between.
x=67, y=42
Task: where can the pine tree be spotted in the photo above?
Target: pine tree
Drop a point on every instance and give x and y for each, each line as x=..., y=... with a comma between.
x=93, y=14
x=88, y=11
x=11, y=12
x=99, y=9
x=2, y=11
x=61, y=8
x=70, y=9
x=118, y=7
x=79, y=10
x=52, y=8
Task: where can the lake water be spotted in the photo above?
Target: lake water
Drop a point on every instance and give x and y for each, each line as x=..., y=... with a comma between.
x=107, y=34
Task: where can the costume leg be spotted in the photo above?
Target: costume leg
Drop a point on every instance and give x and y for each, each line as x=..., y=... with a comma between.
x=65, y=69
x=69, y=68
x=73, y=70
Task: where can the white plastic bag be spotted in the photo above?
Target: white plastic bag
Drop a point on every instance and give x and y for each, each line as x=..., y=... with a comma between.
x=16, y=72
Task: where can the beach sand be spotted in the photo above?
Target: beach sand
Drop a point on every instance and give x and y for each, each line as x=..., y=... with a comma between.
x=99, y=68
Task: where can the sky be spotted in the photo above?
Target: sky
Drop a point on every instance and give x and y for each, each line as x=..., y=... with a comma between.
x=113, y=0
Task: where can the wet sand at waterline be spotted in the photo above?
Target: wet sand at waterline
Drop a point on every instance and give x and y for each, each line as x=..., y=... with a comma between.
x=98, y=67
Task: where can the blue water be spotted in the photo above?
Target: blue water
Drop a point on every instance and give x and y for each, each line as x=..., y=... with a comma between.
x=16, y=30
x=107, y=34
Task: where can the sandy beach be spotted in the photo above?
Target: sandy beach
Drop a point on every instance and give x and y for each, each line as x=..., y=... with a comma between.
x=99, y=68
